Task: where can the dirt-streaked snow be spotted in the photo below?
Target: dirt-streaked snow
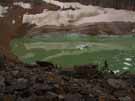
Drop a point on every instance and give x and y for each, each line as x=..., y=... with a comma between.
x=64, y=5
x=23, y=5
x=85, y=14
x=3, y=10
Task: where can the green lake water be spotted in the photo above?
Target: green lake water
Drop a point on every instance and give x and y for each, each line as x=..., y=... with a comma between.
x=75, y=49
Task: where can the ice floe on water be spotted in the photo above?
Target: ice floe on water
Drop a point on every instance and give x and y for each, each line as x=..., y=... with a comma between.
x=82, y=46
x=125, y=68
x=128, y=59
x=116, y=71
x=128, y=64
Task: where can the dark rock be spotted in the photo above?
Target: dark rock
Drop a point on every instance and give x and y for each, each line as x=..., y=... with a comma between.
x=47, y=65
x=50, y=96
x=88, y=71
x=8, y=98
x=2, y=84
x=90, y=98
x=2, y=60
x=2, y=80
x=26, y=93
x=126, y=98
x=21, y=84
x=121, y=93
x=68, y=71
x=44, y=64
x=131, y=80
x=117, y=83
x=39, y=80
x=41, y=89
x=73, y=97
x=61, y=97
x=15, y=72
x=24, y=99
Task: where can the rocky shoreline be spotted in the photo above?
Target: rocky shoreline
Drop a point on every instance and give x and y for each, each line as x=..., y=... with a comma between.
x=44, y=81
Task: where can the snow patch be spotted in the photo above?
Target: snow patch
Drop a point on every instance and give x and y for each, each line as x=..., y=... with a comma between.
x=82, y=46
x=86, y=14
x=3, y=10
x=23, y=5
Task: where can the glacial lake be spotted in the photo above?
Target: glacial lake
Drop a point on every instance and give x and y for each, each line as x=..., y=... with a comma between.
x=75, y=49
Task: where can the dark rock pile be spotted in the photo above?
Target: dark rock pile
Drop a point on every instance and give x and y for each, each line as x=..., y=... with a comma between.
x=43, y=81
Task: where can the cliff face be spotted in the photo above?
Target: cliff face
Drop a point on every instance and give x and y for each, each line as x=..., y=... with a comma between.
x=118, y=4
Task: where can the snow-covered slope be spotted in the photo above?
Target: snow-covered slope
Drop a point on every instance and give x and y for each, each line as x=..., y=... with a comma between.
x=84, y=14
